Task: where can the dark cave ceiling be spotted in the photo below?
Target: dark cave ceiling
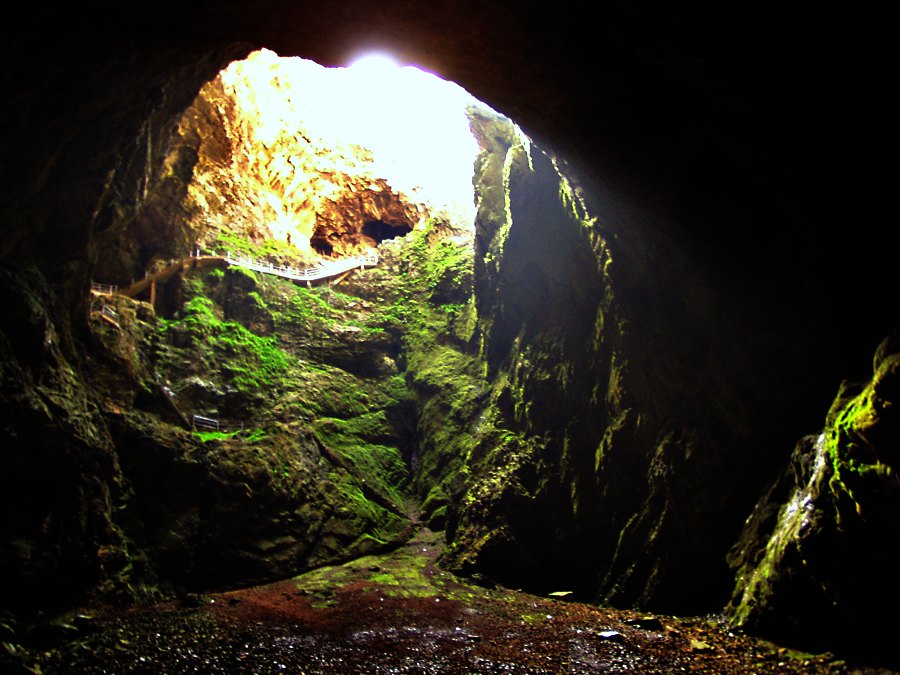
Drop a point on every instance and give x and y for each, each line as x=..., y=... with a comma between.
x=724, y=127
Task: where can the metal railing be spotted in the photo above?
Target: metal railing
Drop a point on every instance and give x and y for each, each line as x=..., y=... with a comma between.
x=198, y=421
x=106, y=289
x=320, y=271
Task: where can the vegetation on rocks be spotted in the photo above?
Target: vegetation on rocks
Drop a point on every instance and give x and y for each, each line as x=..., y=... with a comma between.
x=829, y=512
x=505, y=387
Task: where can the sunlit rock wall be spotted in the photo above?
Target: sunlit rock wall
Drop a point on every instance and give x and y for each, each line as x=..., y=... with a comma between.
x=265, y=173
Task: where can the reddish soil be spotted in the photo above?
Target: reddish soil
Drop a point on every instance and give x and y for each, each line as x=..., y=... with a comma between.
x=400, y=613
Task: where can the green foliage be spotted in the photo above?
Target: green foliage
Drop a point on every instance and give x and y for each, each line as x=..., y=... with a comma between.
x=359, y=442
x=250, y=362
x=268, y=249
x=207, y=436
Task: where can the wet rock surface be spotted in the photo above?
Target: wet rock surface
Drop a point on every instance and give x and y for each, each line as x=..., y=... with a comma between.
x=400, y=613
x=814, y=552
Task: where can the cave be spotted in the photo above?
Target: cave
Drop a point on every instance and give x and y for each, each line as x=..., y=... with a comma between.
x=321, y=245
x=378, y=231
x=642, y=417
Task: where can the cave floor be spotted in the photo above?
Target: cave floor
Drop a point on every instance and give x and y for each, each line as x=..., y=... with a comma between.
x=400, y=613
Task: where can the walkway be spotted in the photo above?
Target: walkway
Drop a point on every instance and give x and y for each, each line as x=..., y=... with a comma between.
x=323, y=270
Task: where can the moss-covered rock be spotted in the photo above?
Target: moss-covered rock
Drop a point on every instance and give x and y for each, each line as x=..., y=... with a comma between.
x=308, y=463
x=511, y=507
x=817, y=548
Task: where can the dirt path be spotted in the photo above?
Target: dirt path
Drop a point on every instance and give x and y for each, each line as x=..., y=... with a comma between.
x=400, y=613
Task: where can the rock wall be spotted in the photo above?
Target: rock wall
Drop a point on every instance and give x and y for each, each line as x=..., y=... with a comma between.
x=816, y=552
x=265, y=174
x=612, y=365
x=243, y=172
x=109, y=493
x=59, y=468
x=711, y=168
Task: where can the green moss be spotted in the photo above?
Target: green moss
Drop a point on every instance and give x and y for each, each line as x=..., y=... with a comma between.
x=207, y=436
x=249, y=361
x=199, y=313
x=384, y=579
x=396, y=389
x=244, y=271
x=427, y=310
x=254, y=362
x=851, y=417
x=378, y=524
x=405, y=572
x=322, y=390
x=267, y=249
x=256, y=436
x=355, y=441
x=312, y=309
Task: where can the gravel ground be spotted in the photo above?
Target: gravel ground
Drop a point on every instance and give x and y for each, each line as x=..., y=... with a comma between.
x=400, y=613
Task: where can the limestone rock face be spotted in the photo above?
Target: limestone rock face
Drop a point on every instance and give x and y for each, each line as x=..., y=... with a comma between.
x=818, y=547
x=58, y=485
x=266, y=174
x=537, y=337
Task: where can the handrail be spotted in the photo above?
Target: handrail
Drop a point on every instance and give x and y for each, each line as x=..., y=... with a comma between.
x=205, y=422
x=322, y=270
x=106, y=289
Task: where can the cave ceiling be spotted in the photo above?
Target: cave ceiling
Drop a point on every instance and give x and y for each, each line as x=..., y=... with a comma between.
x=723, y=127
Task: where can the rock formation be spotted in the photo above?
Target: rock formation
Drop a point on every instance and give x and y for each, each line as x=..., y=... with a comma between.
x=249, y=172
x=814, y=554
x=267, y=175
x=652, y=317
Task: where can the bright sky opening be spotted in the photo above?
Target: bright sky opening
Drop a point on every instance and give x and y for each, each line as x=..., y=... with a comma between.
x=413, y=122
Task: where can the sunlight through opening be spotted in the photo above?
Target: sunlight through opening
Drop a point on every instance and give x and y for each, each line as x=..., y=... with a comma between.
x=413, y=122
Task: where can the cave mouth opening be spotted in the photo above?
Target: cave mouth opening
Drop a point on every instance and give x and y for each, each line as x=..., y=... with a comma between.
x=295, y=158
x=321, y=245
x=379, y=231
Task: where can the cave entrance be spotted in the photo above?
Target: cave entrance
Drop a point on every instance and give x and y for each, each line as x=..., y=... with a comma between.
x=380, y=231
x=292, y=169
x=320, y=244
